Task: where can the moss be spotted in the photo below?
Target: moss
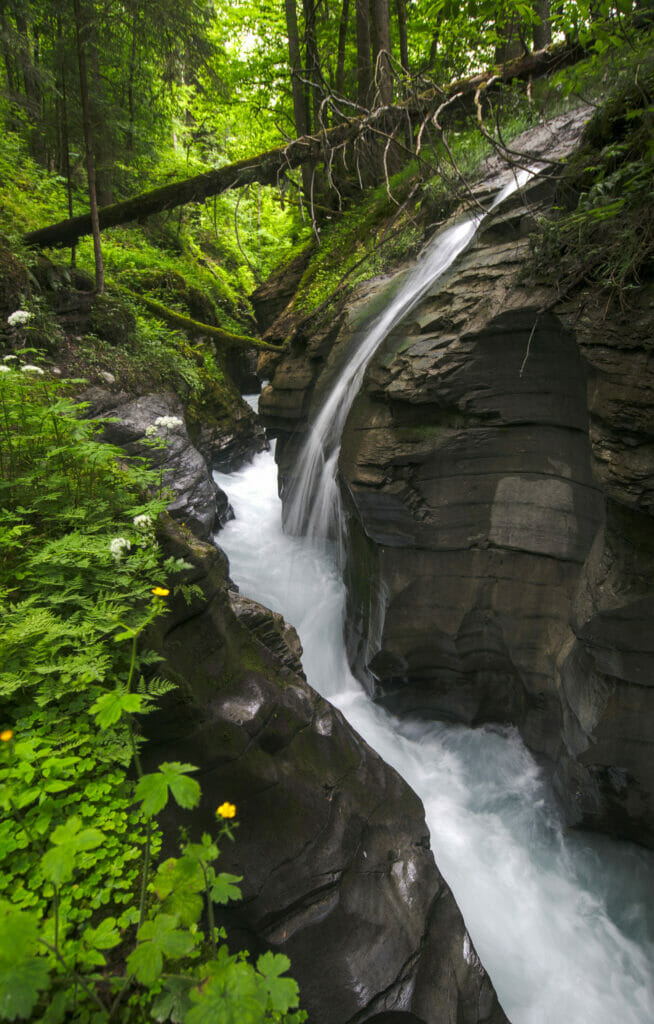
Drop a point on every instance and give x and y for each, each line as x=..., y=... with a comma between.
x=112, y=319
x=14, y=281
x=415, y=435
x=602, y=234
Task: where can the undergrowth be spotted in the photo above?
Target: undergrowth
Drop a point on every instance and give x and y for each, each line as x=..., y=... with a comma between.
x=602, y=232
x=94, y=927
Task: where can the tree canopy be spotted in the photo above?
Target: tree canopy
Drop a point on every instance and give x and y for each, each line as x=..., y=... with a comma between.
x=124, y=96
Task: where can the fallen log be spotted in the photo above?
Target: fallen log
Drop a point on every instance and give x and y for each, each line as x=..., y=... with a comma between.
x=269, y=167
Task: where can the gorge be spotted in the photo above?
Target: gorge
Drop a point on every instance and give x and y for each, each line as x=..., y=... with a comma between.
x=333, y=702
x=410, y=522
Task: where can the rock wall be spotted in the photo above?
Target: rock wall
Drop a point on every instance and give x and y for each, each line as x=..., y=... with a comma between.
x=497, y=469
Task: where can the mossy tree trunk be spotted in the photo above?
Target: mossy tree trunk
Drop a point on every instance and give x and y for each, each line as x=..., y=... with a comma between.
x=80, y=30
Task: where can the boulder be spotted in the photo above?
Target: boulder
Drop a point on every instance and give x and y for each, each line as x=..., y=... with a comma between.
x=197, y=500
x=224, y=427
x=331, y=842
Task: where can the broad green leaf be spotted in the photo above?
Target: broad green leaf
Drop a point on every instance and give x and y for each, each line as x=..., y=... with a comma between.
x=204, y=852
x=283, y=993
x=56, y=1011
x=178, y=883
x=20, y=984
x=105, y=936
x=173, y=1002
x=19, y=932
x=68, y=840
x=232, y=996
x=271, y=965
x=223, y=889
x=145, y=963
x=186, y=791
x=152, y=789
x=156, y=939
x=110, y=707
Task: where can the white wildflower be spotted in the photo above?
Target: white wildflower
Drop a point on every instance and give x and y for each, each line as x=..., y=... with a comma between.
x=168, y=422
x=29, y=368
x=143, y=521
x=119, y=547
x=5, y=369
x=19, y=318
x=7, y=359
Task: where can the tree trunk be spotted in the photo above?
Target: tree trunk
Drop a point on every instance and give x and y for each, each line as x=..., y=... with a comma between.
x=103, y=150
x=65, y=141
x=30, y=77
x=129, y=141
x=313, y=73
x=400, y=7
x=511, y=45
x=88, y=145
x=342, y=40
x=381, y=50
x=6, y=53
x=297, y=88
x=364, y=70
x=543, y=32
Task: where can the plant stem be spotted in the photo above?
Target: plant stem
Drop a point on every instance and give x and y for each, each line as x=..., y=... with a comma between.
x=210, y=917
x=77, y=977
x=146, y=871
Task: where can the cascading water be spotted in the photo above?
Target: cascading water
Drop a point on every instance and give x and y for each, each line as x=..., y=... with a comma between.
x=561, y=922
x=313, y=504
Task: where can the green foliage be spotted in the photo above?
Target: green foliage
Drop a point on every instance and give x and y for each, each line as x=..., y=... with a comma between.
x=152, y=790
x=92, y=928
x=602, y=234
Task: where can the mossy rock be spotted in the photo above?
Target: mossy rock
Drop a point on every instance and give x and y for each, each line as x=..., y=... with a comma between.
x=14, y=281
x=113, y=320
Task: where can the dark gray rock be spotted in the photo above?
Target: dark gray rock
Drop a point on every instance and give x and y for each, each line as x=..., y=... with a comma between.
x=332, y=843
x=197, y=500
x=225, y=429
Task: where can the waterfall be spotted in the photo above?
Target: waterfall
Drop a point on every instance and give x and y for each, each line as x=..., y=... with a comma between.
x=562, y=923
x=313, y=502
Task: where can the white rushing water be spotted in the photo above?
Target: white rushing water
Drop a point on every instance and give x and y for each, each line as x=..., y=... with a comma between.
x=563, y=923
x=313, y=504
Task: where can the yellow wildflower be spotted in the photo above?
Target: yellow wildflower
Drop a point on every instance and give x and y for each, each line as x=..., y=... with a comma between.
x=160, y=592
x=226, y=810
x=6, y=735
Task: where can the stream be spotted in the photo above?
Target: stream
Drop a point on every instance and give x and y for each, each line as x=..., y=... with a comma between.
x=563, y=922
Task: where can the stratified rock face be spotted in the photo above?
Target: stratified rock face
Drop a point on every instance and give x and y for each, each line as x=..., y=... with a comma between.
x=197, y=500
x=467, y=462
x=331, y=842
x=498, y=470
